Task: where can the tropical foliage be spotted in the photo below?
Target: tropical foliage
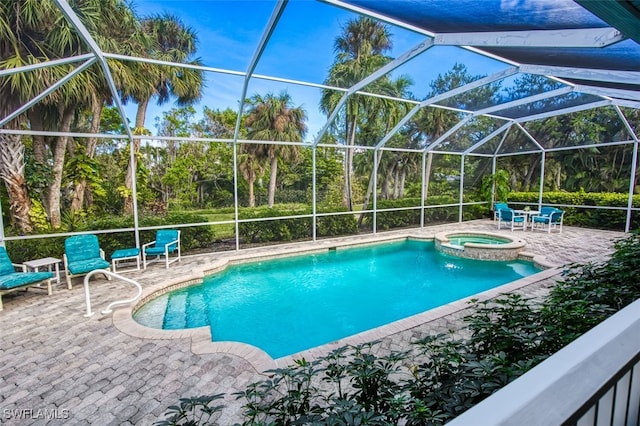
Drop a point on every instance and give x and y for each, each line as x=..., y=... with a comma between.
x=204, y=159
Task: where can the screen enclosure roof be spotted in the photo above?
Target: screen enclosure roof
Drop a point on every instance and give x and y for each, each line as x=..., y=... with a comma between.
x=587, y=52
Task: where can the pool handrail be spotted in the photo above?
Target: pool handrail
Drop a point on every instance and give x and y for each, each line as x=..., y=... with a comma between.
x=108, y=310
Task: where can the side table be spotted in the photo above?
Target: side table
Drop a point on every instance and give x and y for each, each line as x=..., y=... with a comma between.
x=123, y=255
x=48, y=262
x=527, y=216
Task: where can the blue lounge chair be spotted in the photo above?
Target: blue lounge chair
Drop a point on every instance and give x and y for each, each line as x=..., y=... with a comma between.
x=82, y=254
x=497, y=207
x=549, y=218
x=166, y=243
x=515, y=220
x=12, y=280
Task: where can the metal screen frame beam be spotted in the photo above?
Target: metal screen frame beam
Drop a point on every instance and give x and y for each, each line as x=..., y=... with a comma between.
x=400, y=60
x=634, y=167
x=563, y=111
x=465, y=88
x=587, y=74
x=563, y=38
x=264, y=40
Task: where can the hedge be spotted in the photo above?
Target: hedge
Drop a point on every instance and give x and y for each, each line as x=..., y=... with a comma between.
x=405, y=218
x=585, y=217
x=191, y=237
x=293, y=228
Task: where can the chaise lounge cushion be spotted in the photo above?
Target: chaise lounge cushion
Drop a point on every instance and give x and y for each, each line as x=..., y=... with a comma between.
x=88, y=265
x=6, y=267
x=548, y=214
x=163, y=237
x=82, y=254
x=19, y=279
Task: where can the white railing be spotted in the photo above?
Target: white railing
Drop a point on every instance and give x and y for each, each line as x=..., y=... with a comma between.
x=111, y=305
x=595, y=380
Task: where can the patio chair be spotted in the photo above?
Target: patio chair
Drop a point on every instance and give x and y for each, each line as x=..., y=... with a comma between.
x=515, y=220
x=549, y=218
x=497, y=207
x=82, y=254
x=167, y=242
x=12, y=280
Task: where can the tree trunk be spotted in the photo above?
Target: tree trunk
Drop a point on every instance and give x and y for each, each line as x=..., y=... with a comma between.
x=529, y=175
x=427, y=174
x=36, y=122
x=57, y=169
x=82, y=191
x=133, y=165
x=403, y=177
x=252, y=196
x=396, y=183
x=348, y=194
x=272, y=180
x=370, y=189
x=384, y=190
x=12, y=172
x=39, y=143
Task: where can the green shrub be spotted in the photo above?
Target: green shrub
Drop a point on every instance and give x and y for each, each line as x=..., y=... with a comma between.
x=191, y=237
x=411, y=217
x=336, y=225
x=395, y=219
x=591, y=218
x=23, y=250
x=293, y=228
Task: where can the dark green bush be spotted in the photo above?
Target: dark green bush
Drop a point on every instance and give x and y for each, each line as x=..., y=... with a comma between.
x=395, y=219
x=293, y=228
x=291, y=196
x=276, y=229
x=586, y=217
x=335, y=225
x=28, y=249
x=191, y=237
x=411, y=217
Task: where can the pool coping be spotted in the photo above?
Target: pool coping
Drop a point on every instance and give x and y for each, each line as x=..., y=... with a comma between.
x=201, y=339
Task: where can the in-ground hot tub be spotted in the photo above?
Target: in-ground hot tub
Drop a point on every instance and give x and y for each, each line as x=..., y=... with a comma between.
x=479, y=245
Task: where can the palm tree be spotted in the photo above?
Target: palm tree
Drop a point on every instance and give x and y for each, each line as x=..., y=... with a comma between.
x=250, y=168
x=113, y=25
x=359, y=51
x=273, y=118
x=117, y=31
x=35, y=32
x=384, y=114
x=169, y=40
x=12, y=95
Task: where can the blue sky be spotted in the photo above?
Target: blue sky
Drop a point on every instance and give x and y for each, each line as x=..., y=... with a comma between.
x=301, y=48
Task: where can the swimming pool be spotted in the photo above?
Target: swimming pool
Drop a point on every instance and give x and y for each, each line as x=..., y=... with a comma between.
x=287, y=305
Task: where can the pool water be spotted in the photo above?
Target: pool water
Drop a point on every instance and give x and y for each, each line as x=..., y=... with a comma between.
x=461, y=240
x=284, y=306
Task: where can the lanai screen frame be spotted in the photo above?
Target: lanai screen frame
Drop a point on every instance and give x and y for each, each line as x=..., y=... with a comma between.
x=597, y=37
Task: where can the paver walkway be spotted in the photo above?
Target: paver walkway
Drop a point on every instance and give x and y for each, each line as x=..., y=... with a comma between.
x=54, y=362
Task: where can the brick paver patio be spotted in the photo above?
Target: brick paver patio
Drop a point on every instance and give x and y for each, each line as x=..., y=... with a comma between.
x=54, y=362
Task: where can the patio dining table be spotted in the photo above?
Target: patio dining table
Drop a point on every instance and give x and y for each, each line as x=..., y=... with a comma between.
x=528, y=215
